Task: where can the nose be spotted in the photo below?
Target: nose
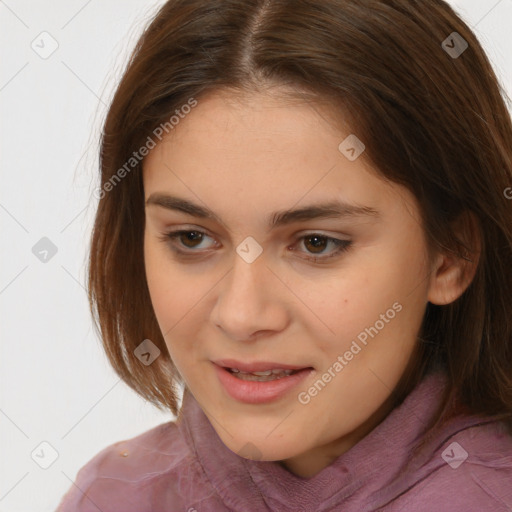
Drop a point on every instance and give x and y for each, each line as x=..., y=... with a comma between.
x=249, y=301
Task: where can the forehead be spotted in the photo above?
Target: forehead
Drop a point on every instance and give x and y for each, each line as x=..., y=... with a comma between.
x=235, y=151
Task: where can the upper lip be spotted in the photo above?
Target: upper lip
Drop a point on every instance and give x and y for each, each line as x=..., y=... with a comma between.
x=256, y=366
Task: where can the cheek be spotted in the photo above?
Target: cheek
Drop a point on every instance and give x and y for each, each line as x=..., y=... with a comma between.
x=381, y=296
x=179, y=299
x=167, y=287
x=169, y=306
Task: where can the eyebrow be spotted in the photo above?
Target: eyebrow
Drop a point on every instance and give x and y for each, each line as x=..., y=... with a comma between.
x=332, y=209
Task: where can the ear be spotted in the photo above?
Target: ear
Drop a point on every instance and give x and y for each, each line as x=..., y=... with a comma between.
x=451, y=274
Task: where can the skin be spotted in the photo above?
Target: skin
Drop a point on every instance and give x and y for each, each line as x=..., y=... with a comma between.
x=244, y=157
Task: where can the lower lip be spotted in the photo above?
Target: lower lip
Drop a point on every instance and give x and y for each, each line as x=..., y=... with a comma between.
x=254, y=392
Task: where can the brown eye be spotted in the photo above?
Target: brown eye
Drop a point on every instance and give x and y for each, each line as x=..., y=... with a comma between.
x=189, y=238
x=317, y=245
x=188, y=241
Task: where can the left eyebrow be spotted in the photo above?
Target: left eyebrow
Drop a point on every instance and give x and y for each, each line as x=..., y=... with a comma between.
x=332, y=209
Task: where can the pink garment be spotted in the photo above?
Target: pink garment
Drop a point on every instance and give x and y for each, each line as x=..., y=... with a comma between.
x=185, y=467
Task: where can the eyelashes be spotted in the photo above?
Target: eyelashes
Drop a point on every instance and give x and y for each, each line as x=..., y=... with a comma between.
x=320, y=242
x=185, y=242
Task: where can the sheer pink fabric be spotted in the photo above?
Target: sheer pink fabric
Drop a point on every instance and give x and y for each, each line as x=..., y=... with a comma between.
x=185, y=467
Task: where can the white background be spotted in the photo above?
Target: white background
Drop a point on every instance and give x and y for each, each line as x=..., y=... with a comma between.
x=56, y=385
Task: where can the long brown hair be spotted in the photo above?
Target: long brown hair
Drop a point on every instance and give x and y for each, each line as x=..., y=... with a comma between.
x=432, y=120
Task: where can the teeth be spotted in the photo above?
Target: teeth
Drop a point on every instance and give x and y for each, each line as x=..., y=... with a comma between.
x=276, y=371
x=282, y=372
x=261, y=376
x=258, y=378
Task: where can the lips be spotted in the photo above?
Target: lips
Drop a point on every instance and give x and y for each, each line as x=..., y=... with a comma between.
x=250, y=388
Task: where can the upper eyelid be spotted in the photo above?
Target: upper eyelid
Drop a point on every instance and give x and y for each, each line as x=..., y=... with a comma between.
x=211, y=233
x=298, y=236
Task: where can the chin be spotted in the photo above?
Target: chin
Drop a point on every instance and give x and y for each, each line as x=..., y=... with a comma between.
x=261, y=449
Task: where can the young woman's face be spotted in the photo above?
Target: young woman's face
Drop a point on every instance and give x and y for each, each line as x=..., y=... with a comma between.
x=255, y=286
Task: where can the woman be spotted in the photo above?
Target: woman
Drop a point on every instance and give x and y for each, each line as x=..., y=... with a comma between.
x=303, y=221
